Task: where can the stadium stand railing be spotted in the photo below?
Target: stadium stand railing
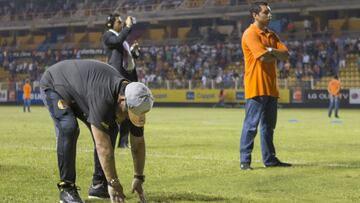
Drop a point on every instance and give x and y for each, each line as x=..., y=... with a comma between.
x=147, y=12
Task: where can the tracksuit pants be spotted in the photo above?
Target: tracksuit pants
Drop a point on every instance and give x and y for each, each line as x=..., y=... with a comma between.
x=67, y=132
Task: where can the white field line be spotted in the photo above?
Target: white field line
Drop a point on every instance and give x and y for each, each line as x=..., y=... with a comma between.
x=173, y=156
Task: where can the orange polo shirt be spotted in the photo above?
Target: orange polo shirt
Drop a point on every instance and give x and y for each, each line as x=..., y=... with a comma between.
x=334, y=87
x=259, y=77
x=27, y=91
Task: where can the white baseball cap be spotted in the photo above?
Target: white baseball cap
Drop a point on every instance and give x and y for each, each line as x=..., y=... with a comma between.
x=139, y=101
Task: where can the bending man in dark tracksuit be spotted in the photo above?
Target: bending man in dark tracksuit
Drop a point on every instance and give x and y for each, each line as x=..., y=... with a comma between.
x=98, y=95
x=121, y=56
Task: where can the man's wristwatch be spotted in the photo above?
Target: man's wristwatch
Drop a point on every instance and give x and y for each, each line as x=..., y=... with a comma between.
x=140, y=177
x=269, y=49
x=113, y=182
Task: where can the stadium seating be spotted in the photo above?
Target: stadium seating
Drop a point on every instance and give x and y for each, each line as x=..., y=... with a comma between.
x=195, y=3
x=349, y=76
x=174, y=33
x=156, y=34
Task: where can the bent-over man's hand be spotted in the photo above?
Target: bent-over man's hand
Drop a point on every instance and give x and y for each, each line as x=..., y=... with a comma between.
x=116, y=193
x=137, y=187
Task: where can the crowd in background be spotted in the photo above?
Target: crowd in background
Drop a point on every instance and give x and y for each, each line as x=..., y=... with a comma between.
x=34, y=63
x=318, y=57
x=43, y=8
x=224, y=62
x=208, y=55
x=25, y=10
x=205, y=61
x=198, y=61
x=31, y=9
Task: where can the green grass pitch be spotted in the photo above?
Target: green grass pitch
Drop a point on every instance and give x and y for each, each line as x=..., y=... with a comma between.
x=193, y=156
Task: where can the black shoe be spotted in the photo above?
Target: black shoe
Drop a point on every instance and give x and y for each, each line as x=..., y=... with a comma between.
x=279, y=164
x=245, y=166
x=69, y=193
x=99, y=191
x=336, y=116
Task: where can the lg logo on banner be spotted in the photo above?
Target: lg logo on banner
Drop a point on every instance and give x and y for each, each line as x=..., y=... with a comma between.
x=318, y=96
x=324, y=96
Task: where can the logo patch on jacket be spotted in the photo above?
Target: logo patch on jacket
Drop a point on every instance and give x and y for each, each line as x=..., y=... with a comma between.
x=61, y=104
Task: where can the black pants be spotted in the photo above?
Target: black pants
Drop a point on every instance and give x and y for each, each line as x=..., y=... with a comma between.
x=67, y=132
x=124, y=133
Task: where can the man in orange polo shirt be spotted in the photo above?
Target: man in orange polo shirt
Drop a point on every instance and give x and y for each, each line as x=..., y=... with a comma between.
x=262, y=48
x=334, y=93
x=27, y=95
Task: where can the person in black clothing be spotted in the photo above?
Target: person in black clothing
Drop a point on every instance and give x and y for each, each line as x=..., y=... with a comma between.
x=98, y=95
x=121, y=56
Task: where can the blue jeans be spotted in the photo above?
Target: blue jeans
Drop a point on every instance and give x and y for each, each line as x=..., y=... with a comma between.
x=334, y=103
x=261, y=109
x=27, y=103
x=67, y=132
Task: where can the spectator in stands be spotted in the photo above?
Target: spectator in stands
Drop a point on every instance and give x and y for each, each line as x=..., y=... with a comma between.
x=334, y=64
x=291, y=27
x=299, y=72
x=194, y=33
x=342, y=59
x=262, y=49
x=236, y=33
x=307, y=25
x=1, y=59
x=4, y=43
x=204, y=81
x=12, y=69
x=334, y=93
x=27, y=96
x=286, y=69
x=316, y=73
x=306, y=60
x=101, y=101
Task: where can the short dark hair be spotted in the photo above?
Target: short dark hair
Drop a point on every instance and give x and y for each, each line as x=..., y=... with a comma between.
x=336, y=77
x=256, y=7
x=110, y=20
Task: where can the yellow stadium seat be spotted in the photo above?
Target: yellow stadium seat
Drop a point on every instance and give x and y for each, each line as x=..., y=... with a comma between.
x=156, y=34
x=38, y=39
x=95, y=36
x=77, y=37
x=182, y=31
